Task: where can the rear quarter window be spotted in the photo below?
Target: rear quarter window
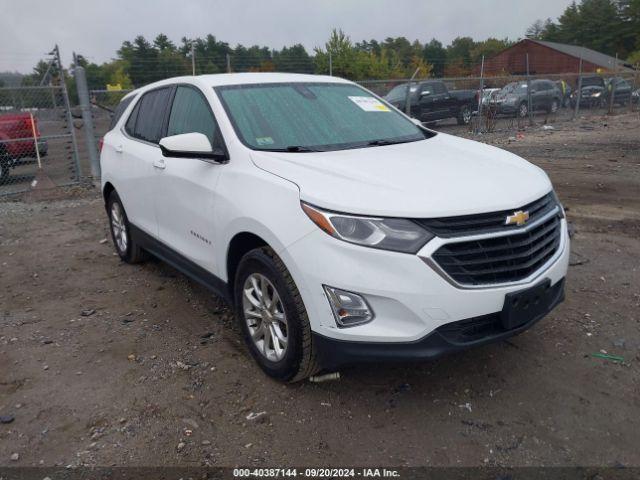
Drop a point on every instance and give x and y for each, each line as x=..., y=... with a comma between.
x=117, y=113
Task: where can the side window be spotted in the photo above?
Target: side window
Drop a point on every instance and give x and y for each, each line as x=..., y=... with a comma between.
x=438, y=88
x=149, y=115
x=190, y=113
x=130, y=126
x=122, y=106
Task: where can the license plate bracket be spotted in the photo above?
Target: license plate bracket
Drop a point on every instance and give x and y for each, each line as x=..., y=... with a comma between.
x=523, y=306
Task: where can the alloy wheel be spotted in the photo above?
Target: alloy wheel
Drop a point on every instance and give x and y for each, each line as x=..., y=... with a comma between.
x=524, y=110
x=466, y=116
x=265, y=317
x=118, y=227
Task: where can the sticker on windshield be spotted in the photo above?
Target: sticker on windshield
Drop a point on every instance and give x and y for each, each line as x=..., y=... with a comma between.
x=264, y=140
x=370, y=104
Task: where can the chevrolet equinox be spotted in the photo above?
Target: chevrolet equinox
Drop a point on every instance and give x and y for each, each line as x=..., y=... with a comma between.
x=339, y=229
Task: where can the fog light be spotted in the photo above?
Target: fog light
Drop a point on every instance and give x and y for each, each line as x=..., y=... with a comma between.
x=349, y=309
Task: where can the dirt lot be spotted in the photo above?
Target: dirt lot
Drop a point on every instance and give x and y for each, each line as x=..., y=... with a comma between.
x=154, y=373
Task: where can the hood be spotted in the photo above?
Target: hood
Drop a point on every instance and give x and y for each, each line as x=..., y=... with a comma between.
x=440, y=176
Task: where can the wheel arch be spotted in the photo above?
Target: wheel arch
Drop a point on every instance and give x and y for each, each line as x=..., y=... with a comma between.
x=240, y=244
x=106, y=192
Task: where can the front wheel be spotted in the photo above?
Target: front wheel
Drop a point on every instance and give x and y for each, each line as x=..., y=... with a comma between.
x=523, y=110
x=464, y=115
x=273, y=317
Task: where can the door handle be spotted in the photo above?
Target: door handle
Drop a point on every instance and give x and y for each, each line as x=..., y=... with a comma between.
x=159, y=164
x=118, y=149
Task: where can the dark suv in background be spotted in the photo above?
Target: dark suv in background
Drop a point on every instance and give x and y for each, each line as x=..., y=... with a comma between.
x=513, y=99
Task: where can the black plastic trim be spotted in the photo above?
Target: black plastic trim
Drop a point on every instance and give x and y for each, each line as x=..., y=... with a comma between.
x=334, y=353
x=205, y=278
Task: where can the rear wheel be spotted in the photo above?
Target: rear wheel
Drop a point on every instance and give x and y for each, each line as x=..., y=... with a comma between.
x=273, y=317
x=464, y=115
x=126, y=246
x=553, y=108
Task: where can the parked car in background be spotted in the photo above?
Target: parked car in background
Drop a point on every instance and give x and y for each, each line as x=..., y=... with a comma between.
x=17, y=144
x=431, y=100
x=338, y=229
x=513, y=99
x=592, y=92
x=621, y=89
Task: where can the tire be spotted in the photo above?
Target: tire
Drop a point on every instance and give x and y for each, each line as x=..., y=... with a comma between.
x=523, y=110
x=261, y=270
x=464, y=115
x=126, y=247
x=555, y=105
x=5, y=166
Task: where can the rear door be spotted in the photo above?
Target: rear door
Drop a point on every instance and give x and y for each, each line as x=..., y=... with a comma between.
x=185, y=207
x=137, y=150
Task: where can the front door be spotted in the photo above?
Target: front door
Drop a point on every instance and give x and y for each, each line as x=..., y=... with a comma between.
x=185, y=205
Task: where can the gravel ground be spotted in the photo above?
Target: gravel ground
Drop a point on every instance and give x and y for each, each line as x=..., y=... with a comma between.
x=103, y=363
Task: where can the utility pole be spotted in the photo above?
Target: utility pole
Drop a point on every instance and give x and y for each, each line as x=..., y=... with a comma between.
x=330, y=65
x=480, y=97
x=228, y=63
x=407, y=98
x=193, y=60
x=612, y=86
x=579, y=95
x=87, y=120
x=529, y=109
x=67, y=106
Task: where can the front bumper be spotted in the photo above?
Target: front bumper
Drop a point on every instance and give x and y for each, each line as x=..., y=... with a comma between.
x=410, y=298
x=448, y=338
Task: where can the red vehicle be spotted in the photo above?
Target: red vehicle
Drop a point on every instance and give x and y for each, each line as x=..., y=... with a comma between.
x=17, y=144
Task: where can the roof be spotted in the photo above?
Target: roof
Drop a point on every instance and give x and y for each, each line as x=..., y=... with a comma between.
x=220, y=79
x=588, y=55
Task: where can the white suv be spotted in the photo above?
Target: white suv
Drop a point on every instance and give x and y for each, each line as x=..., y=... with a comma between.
x=339, y=229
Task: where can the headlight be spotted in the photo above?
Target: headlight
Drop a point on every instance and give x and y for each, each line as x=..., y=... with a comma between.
x=597, y=94
x=397, y=234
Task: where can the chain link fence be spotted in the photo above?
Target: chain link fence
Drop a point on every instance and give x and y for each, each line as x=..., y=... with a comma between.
x=37, y=140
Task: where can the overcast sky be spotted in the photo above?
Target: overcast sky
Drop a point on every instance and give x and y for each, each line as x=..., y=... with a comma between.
x=96, y=29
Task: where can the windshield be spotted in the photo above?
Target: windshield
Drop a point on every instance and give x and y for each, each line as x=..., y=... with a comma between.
x=515, y=88
x=300, y=117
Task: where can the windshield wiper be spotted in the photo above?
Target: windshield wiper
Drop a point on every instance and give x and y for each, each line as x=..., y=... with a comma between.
x=293, y=149
x=300, y=148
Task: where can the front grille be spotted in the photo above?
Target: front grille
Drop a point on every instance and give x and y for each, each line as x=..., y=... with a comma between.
x=464, y=225
x=503, y=259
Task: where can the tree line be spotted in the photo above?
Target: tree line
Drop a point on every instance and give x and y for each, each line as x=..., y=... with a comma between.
x=141, y=61
x=607, y=26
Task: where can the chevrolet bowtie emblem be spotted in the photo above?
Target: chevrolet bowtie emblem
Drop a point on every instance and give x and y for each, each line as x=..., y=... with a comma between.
x=518, y=218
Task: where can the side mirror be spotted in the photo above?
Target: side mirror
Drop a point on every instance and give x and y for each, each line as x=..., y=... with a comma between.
x=191, y=145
